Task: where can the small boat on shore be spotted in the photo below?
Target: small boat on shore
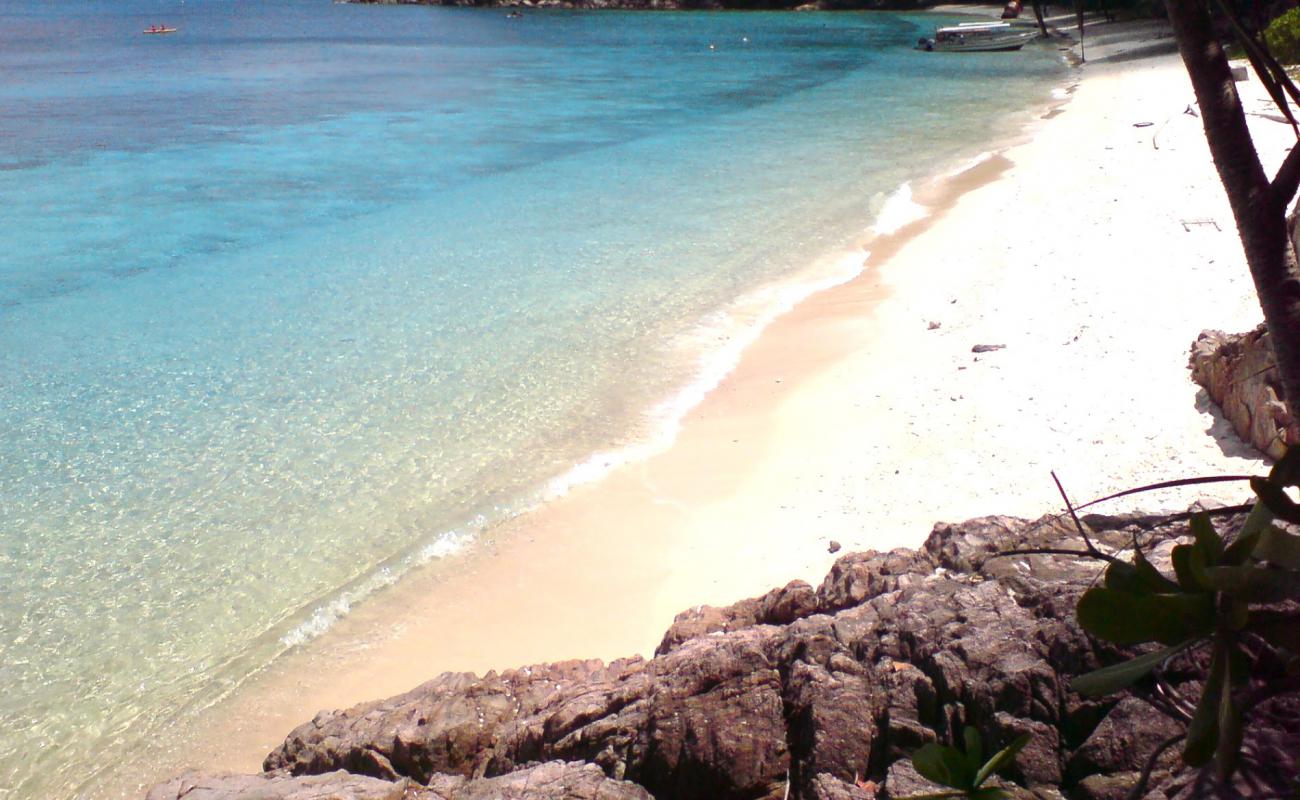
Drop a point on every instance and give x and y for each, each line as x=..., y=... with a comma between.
x=158, y=29
x=979, y=37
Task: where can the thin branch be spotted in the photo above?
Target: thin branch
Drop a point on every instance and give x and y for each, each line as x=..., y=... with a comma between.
x=1053, y=551
x=1140, y=787
x=1069, y=507
x=1151, y=487
x=1284, y=185
x=1163, y=704
x=1185, y=708
x=1270, y=367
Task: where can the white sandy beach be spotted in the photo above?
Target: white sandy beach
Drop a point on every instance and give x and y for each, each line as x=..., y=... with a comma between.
x=1094, y=250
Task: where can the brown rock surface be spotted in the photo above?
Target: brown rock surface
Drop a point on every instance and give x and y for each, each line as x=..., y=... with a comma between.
x=778, y=607
x=819, y=694
x=555, y=779
x=336, y=785
x=1239, y=374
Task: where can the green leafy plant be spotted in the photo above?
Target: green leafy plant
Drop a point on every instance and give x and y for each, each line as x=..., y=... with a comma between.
x=1228, y=595
x=964, y=771
x=1283, y=37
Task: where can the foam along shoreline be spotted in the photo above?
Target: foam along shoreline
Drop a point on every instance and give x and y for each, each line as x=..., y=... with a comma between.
x=855, y=418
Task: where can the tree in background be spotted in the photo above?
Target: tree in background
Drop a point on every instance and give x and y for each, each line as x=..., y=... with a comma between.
x=1259, y=204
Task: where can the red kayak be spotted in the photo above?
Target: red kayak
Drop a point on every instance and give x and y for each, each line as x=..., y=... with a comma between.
x=159, y=30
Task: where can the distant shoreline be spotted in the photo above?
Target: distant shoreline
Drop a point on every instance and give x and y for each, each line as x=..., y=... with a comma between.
x=677, y=5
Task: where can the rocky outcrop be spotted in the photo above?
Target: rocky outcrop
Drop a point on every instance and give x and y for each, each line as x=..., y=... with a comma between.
x=799, y=693
x=336, y=785
x=556, y=780
x=1239, y=374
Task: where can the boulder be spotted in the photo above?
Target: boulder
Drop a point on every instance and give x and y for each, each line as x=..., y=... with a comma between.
x=1239, y=374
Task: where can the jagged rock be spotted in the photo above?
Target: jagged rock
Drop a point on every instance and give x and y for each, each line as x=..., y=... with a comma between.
x=781, y=606
x=703, y=721
x=715, y=723
x=902, y=780
x=1039, y=762
x=856, y=577
x=703, y=620
x=831, y=714
x=821, y=694
x=1123, y=741
x=829, y=787
x=337, y=785
x=446, y=725
x=1106, y=787
x=912, y=699
x=1239, y=374
x=554, y=780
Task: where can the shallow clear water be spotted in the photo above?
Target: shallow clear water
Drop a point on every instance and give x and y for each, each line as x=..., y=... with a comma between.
x=305, y=293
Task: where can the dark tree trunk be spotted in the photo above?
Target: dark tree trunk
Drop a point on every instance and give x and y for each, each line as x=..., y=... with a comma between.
x=1038, y=15
x=1258, y=205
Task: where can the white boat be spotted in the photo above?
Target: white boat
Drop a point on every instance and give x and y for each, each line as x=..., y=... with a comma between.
x=979, y=36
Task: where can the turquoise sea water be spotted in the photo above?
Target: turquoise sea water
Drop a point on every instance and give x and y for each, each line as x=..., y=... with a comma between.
x=306, y=294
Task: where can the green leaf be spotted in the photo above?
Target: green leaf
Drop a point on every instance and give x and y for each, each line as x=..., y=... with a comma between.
x=989, y=793
x=1123, y=675
x=1240, y=549
x=929, y=763
x=1286, y=472
x=1238, y=613
x=1139, y=577
x=974, y=751
x=1123, y=576
x=1182, y=556
x=1207, y=539
x=1126, y=618
x=1278, y=547
x=1230, y=727
x=943, y=765
x=1150, y=576
x=1255, y=584
x=1203, y=732
x=1273, y=496
x=1001, y=757
x=1199, y=565
x=960, y=768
